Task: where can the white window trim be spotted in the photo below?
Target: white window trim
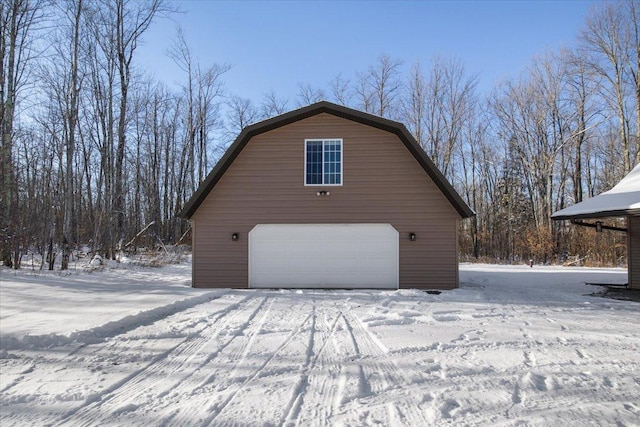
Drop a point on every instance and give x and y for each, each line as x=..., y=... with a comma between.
x=324, y=141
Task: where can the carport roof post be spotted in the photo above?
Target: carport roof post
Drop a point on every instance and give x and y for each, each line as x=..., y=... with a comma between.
x=339, y=111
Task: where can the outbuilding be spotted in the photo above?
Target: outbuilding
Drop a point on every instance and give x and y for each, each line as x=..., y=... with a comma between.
x=325, y=197
x=622, y=201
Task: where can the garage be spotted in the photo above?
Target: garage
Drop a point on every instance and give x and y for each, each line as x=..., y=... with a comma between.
x=323, y=256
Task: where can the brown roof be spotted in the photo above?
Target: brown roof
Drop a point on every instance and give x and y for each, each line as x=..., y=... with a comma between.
x=336, y=110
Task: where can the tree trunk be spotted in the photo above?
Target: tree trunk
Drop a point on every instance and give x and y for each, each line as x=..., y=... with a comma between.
x=72, y=120
x=9, y=33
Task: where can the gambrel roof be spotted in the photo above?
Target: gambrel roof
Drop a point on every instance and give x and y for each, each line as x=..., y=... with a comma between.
x=339, y=111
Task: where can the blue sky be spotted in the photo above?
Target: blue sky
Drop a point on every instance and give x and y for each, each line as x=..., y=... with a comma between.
x=276, y=45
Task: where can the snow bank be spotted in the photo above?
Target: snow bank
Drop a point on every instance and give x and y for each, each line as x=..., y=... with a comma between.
x=40, y=303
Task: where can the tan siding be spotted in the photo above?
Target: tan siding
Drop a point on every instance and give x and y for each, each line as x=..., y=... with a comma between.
x=382, y=183
x=633, y=247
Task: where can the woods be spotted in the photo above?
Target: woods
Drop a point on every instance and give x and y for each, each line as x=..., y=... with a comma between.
x=94, y=149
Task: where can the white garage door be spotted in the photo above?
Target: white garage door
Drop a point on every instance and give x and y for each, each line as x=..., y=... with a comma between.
x=323, y=256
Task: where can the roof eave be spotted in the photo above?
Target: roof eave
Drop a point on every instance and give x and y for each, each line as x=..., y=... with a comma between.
x=619, y=213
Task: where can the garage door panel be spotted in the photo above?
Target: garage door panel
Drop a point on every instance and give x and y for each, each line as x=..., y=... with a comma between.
x=340, y=264
x=376, y=280
x=323, y=255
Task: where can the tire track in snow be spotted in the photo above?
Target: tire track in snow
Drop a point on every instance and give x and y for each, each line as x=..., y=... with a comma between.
x=381, y=385
x=292, y=409
x=133, y=392
x=208, y=352
x=199, y=392
x=229, y=392
x=320, y=397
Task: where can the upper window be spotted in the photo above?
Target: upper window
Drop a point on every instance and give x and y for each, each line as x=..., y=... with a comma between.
x=323, y=162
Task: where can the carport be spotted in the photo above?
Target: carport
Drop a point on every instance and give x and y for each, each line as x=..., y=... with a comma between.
x=622, y=201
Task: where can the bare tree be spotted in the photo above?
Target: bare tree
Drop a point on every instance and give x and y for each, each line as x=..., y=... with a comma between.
x=581, y=89
x=308, y=95
x=450, y=96
x=130, y=20
x=272, y=105
x=241, y=113
x=203, y=90
x=210, y=94
x=606, y=43
x=363, y=94
x=633, y=62
x=476, y=181
x=385, y=84
x=414, y=104
x=181, y=55
x=542, y=117
x=101, y=113
x=19, y=20
x=340, y=90
x=73, y=11
x=378, y=89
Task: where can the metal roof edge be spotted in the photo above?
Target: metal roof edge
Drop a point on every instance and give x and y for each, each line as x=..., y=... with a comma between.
x=620, y=213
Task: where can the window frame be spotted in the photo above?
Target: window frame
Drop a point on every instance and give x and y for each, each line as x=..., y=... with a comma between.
x=325, y=141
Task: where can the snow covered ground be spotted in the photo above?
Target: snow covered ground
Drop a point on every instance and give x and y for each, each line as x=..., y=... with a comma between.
x=134, y=346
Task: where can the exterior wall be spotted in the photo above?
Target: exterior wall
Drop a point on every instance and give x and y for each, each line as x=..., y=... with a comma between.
x=382, y=183
x=633, y=247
